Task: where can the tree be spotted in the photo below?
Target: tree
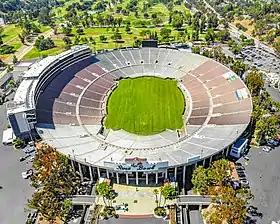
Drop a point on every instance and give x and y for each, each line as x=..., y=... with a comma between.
x=165, y=33
x=44, y=16
x=255, y=82
x=210, y=35
x=35, y=28
x=102, y=38
x=223, y=36
x=195, y=35
x=242, y=37
x=21, y=37
x=202, y=24
x=15, y=60
x=55, y=181
x=276, y=45
x=18, y=143
x=107, y=193
x=67, y=42
x=1, y=40
x=137, y=42
x=127, y=28
x=156, y=195
x=196, y=50
x=177, y=20
x=229, y=205
x=67, y=30
x=77, y=40
x=213, y=21
x=43, y=43
x=267, y=127
x=167, y=191
x=116, y=36
x=80, y=31
x=239, y=67
x=200, y=180
x=236, y=49
x=219, y=172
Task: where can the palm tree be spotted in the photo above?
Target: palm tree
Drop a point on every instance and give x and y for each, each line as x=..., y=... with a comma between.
x=155, y=191
x=103, y=190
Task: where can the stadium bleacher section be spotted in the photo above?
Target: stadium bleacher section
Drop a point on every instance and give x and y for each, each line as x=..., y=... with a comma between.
x=76, y=97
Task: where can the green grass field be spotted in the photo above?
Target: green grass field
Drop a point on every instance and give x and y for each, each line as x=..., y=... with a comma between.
x=145, y=106
x=35, y=53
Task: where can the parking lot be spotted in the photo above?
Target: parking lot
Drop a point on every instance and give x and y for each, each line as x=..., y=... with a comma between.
x=263, y=174
x=261, y=59
x=16, y=190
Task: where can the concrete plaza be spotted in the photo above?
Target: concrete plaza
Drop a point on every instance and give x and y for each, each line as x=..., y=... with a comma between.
x=140, y=200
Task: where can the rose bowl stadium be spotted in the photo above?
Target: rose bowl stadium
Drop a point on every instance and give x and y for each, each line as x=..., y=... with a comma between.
x=134, y=115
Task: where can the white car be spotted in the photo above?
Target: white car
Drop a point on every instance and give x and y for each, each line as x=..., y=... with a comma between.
x=31, y=159
x=244, y=182
x=27, y=174
x=267, y=149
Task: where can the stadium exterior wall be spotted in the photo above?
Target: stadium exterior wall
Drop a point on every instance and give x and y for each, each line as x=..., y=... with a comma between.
x=181, y=174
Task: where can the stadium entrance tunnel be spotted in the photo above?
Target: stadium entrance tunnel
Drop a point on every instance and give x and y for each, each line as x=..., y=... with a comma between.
x=145, y=106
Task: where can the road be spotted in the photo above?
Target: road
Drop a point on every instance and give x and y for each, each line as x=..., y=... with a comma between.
x=274, y=93
x=263, y=174
x=16, y=191
x=236, y=32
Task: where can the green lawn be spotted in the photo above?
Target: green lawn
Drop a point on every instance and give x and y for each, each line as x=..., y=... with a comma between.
x=10, y=32
x=35, y=53
x=145, y=106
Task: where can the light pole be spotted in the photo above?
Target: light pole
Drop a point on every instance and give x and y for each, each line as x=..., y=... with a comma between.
x=73, y=152
x=201, y=153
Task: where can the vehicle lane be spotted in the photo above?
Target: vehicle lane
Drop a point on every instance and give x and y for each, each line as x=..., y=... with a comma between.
x=16, y=190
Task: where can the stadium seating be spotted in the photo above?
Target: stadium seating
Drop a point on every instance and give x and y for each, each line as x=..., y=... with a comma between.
x=212, y=92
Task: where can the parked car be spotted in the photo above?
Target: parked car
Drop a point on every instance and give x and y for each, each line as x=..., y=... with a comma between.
x=21, y=159
x=272, y=142
x=31, y=159
x=246, y=158
x=27, y=174
x=246, y=186
x=267, y=148
x=28, y=149
x=242, y=179
x=238, y=164
x=240, y=168
x=241, y=175
x=244, y=182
